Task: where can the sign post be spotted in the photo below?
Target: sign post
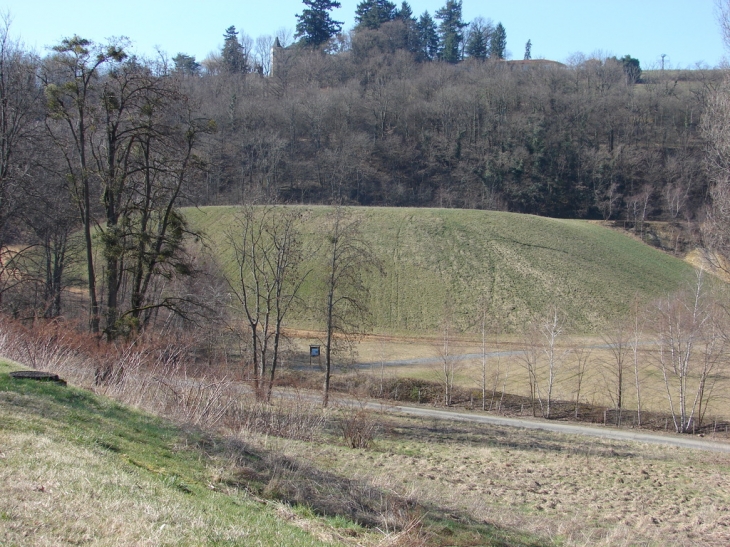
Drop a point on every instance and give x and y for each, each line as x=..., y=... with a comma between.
x=313, y=352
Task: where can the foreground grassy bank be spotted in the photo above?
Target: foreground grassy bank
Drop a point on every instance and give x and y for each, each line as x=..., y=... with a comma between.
x=81, y=469
x=439, y=259
x=78, y=468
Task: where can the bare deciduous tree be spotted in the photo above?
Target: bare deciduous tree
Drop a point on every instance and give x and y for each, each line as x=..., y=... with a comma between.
x=483, y=327
x=446, y=355
x=690, y=346
x=127, y=135
x=348, y=257
x=542, y=357
x=268, y=251
x=21, y=103
x=70, y=80
x=635, y=337
x=617, y=340
x=552, y=328
x=716, y=129
x=530, y=358
x=582, y=356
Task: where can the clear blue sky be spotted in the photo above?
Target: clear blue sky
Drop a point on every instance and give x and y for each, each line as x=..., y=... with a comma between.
x=685, y=30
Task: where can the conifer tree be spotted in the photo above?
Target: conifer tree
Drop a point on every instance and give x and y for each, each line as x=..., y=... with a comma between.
x=373, y=13
x=477, y=41
x=234, y=57
x=412, y=34
x=186, y=64
x=316, y=26
x=498, y=43
x=405, y=12
x=428, y=37
x=450, y=31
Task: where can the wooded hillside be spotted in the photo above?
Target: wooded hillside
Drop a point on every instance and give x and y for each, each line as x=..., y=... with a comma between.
x=372, y=126
x=99, y=148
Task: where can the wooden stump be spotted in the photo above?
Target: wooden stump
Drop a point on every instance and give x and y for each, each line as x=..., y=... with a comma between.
x=37, y=375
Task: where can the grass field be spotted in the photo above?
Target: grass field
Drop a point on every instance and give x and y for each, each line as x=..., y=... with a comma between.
x=566, y=490
x=436, y=259
x=79, y=468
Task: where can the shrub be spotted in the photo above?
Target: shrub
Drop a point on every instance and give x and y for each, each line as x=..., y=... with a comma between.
x=358, y=428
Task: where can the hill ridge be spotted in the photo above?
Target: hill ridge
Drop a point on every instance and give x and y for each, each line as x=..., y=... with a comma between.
x=448, y=259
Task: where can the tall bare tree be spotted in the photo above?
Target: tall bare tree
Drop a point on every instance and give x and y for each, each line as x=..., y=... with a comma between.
x=268, y=251
x=70, y=79
x=635, y=338
x=447, y=358
x=20, y=107
x=127, y=135
x=690, y=351
x=716, y=128
x=530, y=358
x=552, y=328
x=348, y=257
x=617, y=340
x=582, y=358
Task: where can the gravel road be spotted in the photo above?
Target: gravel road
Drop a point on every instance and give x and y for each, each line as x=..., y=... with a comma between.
x=681, y=441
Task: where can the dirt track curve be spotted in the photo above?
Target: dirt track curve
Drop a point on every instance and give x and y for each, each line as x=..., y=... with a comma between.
x=690, y=442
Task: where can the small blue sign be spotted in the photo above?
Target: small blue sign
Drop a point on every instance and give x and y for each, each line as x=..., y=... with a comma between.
x=314, y=351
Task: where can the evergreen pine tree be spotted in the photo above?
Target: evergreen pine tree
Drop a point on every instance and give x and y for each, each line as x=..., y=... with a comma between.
x=315, y=26
x=428, y=37
x=528, y=50
x=498, y=43
x=412, y=34
x=186, y=64
x=234, y=58
x=477, y=40
x=405, y=12
x=373, y=13
x=632, y=68
x=450, y=31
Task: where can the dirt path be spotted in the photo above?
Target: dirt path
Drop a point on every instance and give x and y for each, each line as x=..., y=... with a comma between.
x=557, y=427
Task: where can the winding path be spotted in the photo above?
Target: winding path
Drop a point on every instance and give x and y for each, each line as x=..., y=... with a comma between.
x=681, y=441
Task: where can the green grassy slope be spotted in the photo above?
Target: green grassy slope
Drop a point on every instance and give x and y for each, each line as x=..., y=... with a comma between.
x=435, y=258
x=80, y=469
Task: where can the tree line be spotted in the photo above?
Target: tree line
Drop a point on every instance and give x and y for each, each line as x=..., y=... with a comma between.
x=451, y=39
x=444, y=36
x=674, y=349
x=373, y=126
x=400, y=112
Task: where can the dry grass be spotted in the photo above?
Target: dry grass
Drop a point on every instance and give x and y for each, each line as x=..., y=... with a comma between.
x=508, y=374
x=569, y=490
x=90, y=500
x=419, y=482
x=80, y=469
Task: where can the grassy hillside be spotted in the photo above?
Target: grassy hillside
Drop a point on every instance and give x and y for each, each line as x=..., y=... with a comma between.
x=78, y=468
x=436, y=259
x=81, y=469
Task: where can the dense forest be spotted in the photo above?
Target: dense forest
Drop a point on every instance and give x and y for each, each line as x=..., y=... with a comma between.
x=99, y=148
x=383, y=116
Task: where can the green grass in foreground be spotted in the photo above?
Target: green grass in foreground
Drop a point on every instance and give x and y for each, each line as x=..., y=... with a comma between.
x=438, y=258
x=77, y=468
x=80, y=469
